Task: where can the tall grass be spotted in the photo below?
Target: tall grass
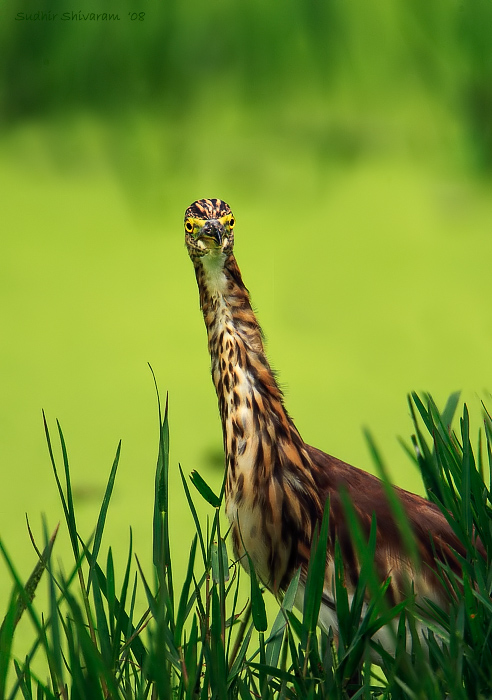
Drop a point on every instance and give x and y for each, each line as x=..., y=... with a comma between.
x=200, y=639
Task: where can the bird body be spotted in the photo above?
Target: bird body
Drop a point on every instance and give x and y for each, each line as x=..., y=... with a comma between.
x=277, y=485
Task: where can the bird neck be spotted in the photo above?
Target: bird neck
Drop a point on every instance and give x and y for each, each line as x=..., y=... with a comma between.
x=271, y=497
x=250, y=400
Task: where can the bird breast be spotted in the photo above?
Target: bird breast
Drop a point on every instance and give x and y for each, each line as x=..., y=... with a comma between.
x=255, y=515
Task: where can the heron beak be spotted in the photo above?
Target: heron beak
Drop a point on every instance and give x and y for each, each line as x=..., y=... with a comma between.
x=212, y=230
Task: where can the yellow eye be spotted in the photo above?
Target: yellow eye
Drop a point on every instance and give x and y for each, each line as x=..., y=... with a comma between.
x=189, y=226
x=232, y=222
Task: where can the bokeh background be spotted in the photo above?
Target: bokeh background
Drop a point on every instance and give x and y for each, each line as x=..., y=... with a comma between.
x=353, y=141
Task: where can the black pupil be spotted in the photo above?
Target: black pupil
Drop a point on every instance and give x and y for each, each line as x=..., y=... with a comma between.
x=231, y=221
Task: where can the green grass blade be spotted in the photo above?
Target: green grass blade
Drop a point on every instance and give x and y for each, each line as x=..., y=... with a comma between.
x=216, y=651
x=6, y=639
x=204, y=489
x=397, y=510
x=193, y=667
x=424, y=413
x=468, y=465
x=68, y=507
x=162, y=492
x=110, y=585
x=364, y=546
x=240, y=656
x=161, y=545
x=122, y=619
x=316, y=573
x=195, y=516
x=24, y=679
x=101, y=520
x=275, y=672
x=39, y=627
x=105, y=641
x=275, y=639
x=136, y=644
x=96, y=674
x=160, y=607
x=219, y=560
x=342, y=601
x=230, y=623
x=183, y=601
x=57, y=478
x=35, y=577
x=488, y=436
x=57, y=658
x=160, y=508
x=72, y=527
x=257, y=602
x=430, y=472
x=450, y=409
x=20, y=600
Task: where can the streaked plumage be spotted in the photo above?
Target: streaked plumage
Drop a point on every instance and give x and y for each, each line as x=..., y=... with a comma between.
x=276, y=484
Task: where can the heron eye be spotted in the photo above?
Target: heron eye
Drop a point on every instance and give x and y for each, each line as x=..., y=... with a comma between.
x=188, y=226
x=232, y=222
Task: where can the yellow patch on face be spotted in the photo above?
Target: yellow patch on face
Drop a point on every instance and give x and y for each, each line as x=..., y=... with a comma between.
x=193, y=225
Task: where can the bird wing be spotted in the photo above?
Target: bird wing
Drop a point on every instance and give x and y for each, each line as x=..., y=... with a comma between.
x=434, y=537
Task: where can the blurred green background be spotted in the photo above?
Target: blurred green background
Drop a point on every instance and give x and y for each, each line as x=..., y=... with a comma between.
x=353, y=141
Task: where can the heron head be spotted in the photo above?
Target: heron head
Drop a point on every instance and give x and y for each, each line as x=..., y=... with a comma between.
x=209, y=225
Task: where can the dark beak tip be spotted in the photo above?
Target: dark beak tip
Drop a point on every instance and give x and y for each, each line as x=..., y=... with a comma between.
x=214, y=230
